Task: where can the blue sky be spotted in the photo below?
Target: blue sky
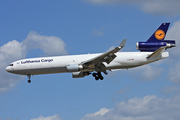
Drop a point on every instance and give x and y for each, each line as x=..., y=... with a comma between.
x=46, y=28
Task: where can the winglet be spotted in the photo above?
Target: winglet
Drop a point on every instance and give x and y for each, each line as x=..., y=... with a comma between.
x=120, y=46
x=123, y=43
x=157, y=52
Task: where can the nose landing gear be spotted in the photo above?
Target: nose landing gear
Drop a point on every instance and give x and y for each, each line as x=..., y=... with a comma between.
x=29, y=76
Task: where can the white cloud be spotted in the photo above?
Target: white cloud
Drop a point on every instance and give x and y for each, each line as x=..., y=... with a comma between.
x=101, y=112
x=174, y=61
x=161, y=7
x=14, y=50
x=174, y=75
x=148, y=108
x=51, y=45
x=173, y=34
x=171, y=89
x=146, y=72
x=54, y=117
x=157, y=7
x=9, y=52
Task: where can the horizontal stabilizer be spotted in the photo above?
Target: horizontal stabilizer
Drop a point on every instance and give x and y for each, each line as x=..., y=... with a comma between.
x=157, y=52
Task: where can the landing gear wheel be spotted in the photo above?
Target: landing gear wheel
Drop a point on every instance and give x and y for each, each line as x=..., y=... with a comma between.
x=101, y=77
x=97, y=78
x=29, y=81
x=29, y=76
x=94, y=74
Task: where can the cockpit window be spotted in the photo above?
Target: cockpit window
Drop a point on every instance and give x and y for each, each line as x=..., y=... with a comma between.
x=11, y=65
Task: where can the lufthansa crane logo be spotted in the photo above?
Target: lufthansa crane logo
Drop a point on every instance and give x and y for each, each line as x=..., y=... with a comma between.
x=159, y=34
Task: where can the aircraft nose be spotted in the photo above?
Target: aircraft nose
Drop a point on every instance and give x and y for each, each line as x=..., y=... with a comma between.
x=9, y=69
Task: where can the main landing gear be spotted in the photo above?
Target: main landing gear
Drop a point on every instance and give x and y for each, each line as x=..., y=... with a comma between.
x=29, y=76
x=98, y=76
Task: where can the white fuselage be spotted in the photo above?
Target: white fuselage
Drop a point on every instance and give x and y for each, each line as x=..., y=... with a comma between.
x=58, y=64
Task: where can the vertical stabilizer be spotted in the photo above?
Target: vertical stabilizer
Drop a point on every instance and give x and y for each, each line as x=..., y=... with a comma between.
x=160, y=33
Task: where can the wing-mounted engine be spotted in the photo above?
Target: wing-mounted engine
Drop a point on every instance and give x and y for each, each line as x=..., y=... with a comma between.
x=80, y=74
x=153, y=46
x=74, y=67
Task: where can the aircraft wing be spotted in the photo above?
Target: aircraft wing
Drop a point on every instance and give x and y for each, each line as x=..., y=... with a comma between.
x=105, y=57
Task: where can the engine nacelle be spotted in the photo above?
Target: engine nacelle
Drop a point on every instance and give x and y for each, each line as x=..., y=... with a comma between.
x=74, y=68
x=153, y=46
x=79, y=74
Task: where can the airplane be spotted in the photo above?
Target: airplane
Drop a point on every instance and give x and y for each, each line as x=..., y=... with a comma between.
x=85, y=64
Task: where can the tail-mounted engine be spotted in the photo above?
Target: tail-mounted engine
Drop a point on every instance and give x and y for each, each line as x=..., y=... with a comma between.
x=153, y=46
